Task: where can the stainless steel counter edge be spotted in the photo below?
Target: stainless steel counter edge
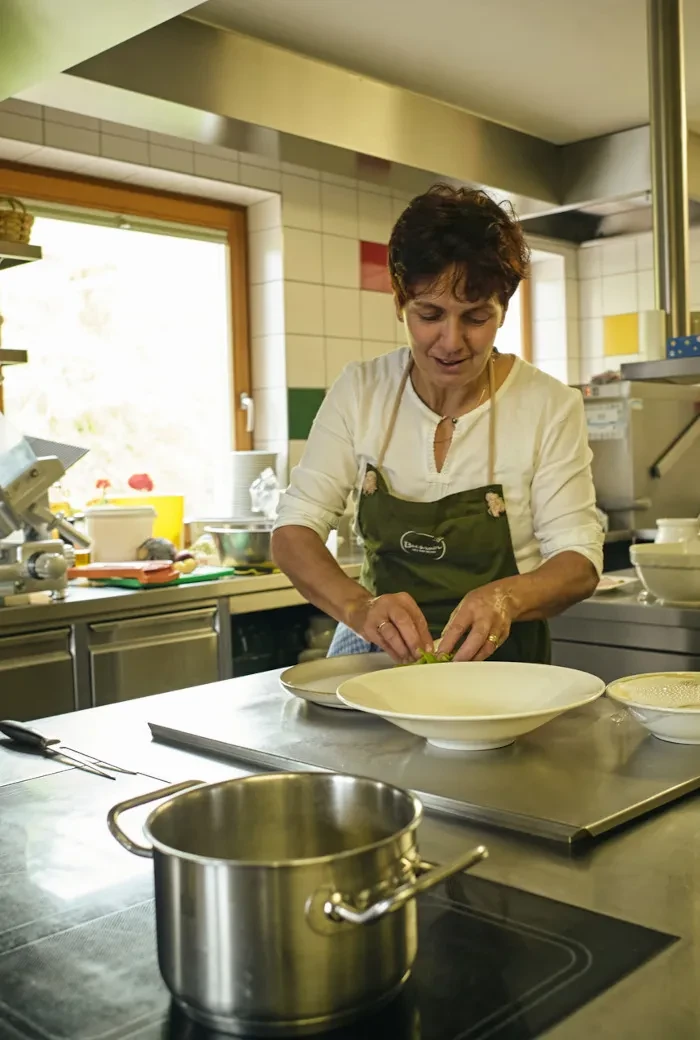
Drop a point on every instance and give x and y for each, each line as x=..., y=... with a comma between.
x=82, y=602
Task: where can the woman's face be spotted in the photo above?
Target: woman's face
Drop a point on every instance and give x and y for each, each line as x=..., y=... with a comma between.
x=451, y=339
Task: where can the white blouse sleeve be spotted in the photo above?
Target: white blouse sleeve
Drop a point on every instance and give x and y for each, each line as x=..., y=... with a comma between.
x=562, y=492
x=321, y=484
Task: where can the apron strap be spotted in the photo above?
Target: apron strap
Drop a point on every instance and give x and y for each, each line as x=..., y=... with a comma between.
x=491, y=471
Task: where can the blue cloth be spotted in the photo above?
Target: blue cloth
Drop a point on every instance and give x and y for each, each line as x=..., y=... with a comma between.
x=345, y=641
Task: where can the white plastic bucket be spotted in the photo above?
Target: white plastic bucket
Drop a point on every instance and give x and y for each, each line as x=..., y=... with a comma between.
x=117, y=532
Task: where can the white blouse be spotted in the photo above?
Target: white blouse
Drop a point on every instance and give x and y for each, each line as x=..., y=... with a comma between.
x=542, y=457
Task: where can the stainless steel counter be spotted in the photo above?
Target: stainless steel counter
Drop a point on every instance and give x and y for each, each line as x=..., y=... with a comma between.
x=648, y=873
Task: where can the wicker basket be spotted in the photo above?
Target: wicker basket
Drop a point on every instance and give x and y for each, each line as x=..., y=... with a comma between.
x=15, y=222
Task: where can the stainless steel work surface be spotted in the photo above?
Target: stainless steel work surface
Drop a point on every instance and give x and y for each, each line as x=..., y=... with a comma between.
x=584, y=774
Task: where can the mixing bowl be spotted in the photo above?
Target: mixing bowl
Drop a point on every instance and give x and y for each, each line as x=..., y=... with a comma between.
x=670, y=571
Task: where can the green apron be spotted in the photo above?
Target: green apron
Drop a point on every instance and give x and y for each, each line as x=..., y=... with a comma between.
x=439, y=551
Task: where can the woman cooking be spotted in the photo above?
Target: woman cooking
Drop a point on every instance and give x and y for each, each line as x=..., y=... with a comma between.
x=471, y=469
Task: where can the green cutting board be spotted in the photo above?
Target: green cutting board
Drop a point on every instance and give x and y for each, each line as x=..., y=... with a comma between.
x=201, y=574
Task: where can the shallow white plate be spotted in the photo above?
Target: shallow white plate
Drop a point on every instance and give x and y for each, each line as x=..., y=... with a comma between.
x=318, y=681
x=471, y=706
x=666, y=703
x=611, y=583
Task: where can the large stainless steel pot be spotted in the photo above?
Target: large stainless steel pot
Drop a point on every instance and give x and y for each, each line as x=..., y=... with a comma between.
x=285, y=902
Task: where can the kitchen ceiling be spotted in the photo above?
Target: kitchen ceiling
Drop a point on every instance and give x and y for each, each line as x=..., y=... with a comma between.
x=563, y=70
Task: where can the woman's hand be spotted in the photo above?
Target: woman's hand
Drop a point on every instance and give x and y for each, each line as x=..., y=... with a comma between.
x=394, y=622
x=486, y=614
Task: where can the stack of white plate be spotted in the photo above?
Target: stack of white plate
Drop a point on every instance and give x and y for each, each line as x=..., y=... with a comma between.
x=246, y=466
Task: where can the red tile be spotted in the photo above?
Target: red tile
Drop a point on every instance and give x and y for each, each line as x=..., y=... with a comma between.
x=374, y=267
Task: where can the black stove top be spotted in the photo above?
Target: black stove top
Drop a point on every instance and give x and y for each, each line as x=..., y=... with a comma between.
x=78, y=958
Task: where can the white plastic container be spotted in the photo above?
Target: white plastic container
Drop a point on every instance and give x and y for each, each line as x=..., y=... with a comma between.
x=683, y=529
x=117, y=532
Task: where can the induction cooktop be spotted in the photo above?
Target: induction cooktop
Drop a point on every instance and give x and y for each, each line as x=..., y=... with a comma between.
x=78, y=956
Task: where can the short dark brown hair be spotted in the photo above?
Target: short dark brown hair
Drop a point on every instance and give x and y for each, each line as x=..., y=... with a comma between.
x=461, y=231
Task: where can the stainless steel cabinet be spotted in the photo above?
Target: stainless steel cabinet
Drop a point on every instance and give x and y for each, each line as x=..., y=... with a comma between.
x=140, y=656
x=614, y=662
x=36, y=674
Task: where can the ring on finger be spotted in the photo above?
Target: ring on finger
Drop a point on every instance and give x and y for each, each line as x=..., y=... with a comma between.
x=382, y=625
x=494, y=639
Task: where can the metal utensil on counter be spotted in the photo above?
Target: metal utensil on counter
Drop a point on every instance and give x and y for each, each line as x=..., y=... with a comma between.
x=51, y=747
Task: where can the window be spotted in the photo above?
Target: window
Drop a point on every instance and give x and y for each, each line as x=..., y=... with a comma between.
x=509, y=338
x=129, y=346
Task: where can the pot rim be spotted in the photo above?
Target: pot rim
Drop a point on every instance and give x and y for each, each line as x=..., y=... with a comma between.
x=334, y=857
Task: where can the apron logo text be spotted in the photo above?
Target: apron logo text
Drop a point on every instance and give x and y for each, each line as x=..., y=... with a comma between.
x=416, y=544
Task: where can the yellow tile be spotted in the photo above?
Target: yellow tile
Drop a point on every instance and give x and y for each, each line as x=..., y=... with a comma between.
x=621, y=334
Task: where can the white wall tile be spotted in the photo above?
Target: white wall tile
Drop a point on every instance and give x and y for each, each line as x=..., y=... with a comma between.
x=216, y=151
x=270, y=414
x=593, y=366
x=645, y=252
x=171, y=141
x=549, y=339
x=122, y=130
x=306, y=361
x=216, y=168
x=339, y=353
x=695, y=286
x=590, y=261
x=259, y=177
x=71, y=138
x=338, y=178
x=301, y=202
x=300, y=171
x=341, y=261
x=21, y=128
x=378, y=316
x=572, y=301
x=268, y=362
x=58, y=115
x=123, y=149
x=266, y=162
x=302, y=256
x=591, y=337
x=372, y=349
x=619, y=255
x=176, y=159
x=22, y=108
x=548, y=299
x=591, y=297
x=645, y=290
x=265, y=256
x=341, y=309
x=620, y=294
x=398, y=205
x=58, y=159
x=264, y=215
x=549, y=270
x=339, y=210
x=303, y=308
x=94, y=166
x=376, y=217
x=267, y=309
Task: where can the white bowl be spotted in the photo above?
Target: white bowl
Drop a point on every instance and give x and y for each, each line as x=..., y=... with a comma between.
x=670, y=571
x=472, y=706
x=650, y=698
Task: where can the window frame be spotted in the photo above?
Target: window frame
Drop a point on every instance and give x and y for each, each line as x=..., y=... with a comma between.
x=54, y=186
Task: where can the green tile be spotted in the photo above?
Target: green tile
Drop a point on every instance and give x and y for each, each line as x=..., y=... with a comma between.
x=302, y=405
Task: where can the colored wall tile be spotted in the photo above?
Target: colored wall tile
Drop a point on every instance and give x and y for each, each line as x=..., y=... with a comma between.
x=374, y=267
x=302, y=405
x=620, y=334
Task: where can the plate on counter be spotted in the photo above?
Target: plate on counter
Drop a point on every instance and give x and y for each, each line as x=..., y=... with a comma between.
x=318, y=681
x=613, y=583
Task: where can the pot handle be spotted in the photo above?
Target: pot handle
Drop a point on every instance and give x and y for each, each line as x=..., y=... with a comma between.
x=337, y=909
x=132, y=803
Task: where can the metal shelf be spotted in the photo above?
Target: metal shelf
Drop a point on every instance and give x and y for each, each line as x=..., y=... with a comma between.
x=672, y=370
x=14, y=253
